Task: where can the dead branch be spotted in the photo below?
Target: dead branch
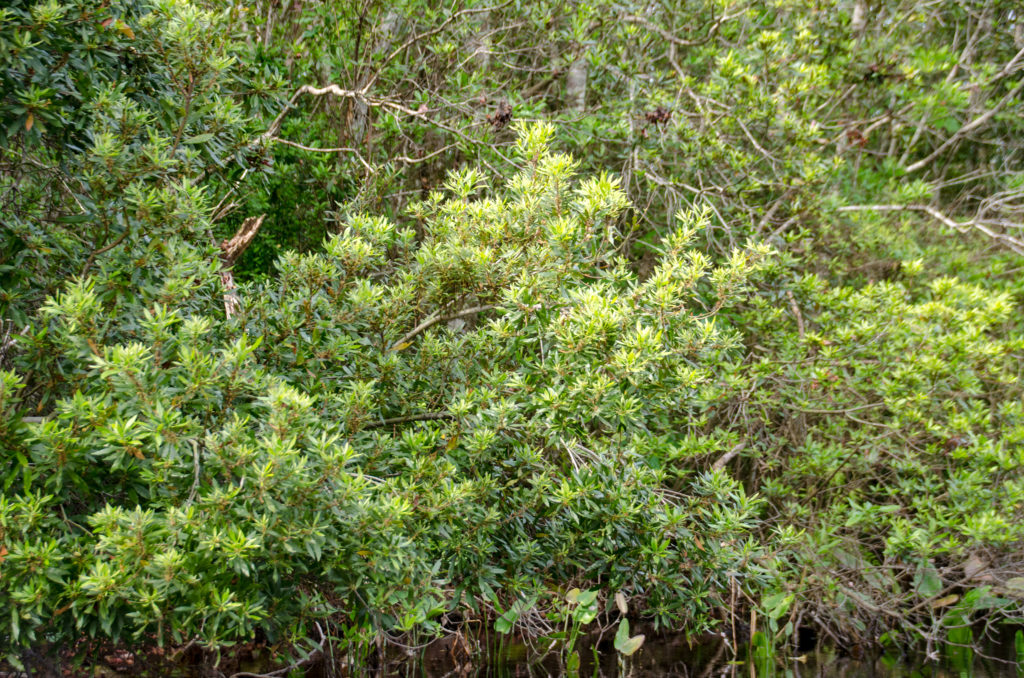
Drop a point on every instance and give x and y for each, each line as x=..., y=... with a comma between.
x=275, y=126
x=6, y=343
x=240, y=241
x=670, y=37
x=342, y=149
x=230, y=251
x=796, y=312
x=422, y=36
x=1015, y=244
x=433, y=320
x=428, y=416
x=966, y=129
x=728, y=456
x=361, y=96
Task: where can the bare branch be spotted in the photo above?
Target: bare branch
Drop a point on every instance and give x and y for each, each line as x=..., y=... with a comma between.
x=427, y=416
x=855, y=408
x=6, y=343
x=342, y=149
x=195, y=472
x=230, y=251
x=967, y=129
x=106, y=248
x=667, y=35
x=423, y=36
x=240, y=241
x=433, y=320
x=412, y=161
x=728, y=456
x=275, y=126
x=796, y=312
x=336, y=91
x=1015, y=244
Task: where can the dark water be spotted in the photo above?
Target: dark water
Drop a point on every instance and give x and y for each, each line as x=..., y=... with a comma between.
x=661, y=655
x=712, y=658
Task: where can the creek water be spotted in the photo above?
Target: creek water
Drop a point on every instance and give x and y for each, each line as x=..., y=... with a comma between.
x=672, y=656
x=669, y=655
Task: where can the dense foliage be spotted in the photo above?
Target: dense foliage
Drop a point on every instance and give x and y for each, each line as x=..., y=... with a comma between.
x=754, y=347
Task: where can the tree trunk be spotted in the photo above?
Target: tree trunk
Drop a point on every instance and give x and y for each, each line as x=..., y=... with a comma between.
x=576, y=84
x=859, y=20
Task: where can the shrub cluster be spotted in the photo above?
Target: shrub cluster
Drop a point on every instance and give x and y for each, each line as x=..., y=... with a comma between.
x=519, y=395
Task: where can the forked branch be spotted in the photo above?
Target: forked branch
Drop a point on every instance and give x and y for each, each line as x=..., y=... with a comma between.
x=230, y=250
x=1015, y=244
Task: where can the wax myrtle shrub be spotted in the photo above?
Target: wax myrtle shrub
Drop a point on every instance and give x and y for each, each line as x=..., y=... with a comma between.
x=505, y=371
x=884, y=428
x=182, y=490
x=111, y=113
x=399, y=425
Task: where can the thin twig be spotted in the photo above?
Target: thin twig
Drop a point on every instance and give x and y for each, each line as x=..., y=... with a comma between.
x=670, y=37
x=275, y=126
x=340, y=149
x=422, y=36
x=104, y=249
x=808, y=410
x=427, y=416
x=195, y=472
x=433, y=320
x=1014, y=244
x=728, y=456
x=796, y=312
x=967, y=128
x=311, y=658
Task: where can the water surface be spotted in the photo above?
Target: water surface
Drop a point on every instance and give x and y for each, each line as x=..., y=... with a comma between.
x=671, y=655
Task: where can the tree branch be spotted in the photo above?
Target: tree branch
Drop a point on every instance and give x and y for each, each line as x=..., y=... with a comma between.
x=428, y=416
x=360, y=95
x=708, y=34
x=422, y=36
x=230, y=251
x=728, y=456
x=275, y=126
x=796, y=312
x=240, y=241
x=342, y=149
x=966, y=129
x=95, y=253
x=1015, y=244
x=433, y=320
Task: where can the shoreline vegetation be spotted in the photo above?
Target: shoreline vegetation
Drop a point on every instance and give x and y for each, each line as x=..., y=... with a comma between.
x=337, y=329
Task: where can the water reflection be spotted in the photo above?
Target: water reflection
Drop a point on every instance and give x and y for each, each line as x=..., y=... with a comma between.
x=672, y=656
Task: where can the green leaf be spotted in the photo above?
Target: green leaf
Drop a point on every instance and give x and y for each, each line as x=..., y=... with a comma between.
x=632, y=645
x=572, y=664
x=198, y=139
x=777, y=604
x=623, y=643
x=505, y=622
x=488, y=592
x=74, y=218
x=927, y=581
x=622, y=635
